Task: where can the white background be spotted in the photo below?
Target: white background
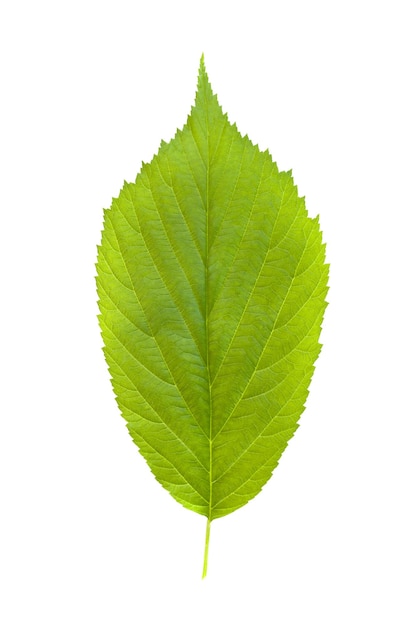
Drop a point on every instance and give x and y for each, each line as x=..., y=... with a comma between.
x=88, y=90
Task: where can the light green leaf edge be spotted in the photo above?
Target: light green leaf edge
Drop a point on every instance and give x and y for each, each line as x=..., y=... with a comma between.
x=212, y=282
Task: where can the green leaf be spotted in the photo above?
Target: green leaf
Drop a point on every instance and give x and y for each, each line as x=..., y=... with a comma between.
x=212, y=284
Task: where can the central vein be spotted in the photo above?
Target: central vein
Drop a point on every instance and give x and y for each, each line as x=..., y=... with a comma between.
x=204, y=571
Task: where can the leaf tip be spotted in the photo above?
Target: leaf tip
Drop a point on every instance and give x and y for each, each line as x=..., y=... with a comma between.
x=202, y=73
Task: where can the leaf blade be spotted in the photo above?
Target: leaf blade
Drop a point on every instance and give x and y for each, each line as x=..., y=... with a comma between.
x=212, y=285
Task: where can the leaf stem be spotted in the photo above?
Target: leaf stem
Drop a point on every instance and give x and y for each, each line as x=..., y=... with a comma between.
x=207, y=533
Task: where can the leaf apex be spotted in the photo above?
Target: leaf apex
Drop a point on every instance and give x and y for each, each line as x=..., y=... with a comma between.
x=202, y=63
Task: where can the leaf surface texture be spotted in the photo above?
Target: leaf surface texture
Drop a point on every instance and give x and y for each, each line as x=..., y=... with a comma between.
x=212, y=282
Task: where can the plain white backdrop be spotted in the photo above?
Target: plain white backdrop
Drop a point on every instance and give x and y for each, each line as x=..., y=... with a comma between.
x=87, y=536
